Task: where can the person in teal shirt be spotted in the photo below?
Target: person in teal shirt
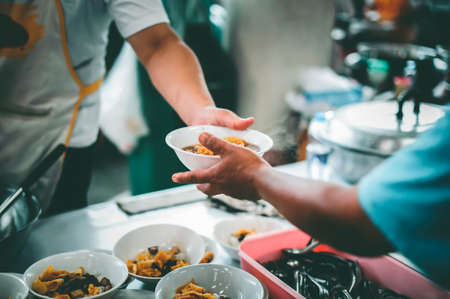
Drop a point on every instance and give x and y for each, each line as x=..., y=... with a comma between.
x=403, y=205
x=408, y=199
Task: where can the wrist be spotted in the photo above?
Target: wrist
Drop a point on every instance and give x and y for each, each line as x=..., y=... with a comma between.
x=258, y=176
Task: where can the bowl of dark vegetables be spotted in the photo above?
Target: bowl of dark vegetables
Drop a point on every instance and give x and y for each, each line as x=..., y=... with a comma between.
x=76, y=274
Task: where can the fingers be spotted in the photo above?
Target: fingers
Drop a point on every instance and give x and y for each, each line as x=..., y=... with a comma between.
x=217, y=145
x=227, y=118
x=210, y=189
x=243, y=123
x=193, y=177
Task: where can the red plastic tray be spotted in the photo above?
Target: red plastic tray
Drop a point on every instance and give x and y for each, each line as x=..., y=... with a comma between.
x=384, y=270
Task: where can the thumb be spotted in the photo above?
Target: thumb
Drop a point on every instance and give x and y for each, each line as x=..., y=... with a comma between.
x=243, y=123
x=217, y=145
x=229, y=119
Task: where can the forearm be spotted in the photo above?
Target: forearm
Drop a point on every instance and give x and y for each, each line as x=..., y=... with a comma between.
x=330, y=213
x=176, y=73
x=327, y=212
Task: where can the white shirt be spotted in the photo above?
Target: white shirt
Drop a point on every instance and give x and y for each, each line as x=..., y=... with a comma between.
x=87, y=24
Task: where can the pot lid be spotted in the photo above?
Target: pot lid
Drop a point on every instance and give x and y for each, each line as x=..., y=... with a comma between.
x=372, y=127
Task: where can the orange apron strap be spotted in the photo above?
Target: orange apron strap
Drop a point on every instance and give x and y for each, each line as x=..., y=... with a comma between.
x=62, y=24
x=85, y=90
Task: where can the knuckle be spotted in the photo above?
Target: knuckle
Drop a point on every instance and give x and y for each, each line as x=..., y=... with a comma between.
x=194, y=177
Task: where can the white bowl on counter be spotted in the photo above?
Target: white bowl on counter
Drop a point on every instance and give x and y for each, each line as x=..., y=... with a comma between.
x=180, y=138
x=224, y=229
x=191, y=244
x=218, y=279
x=11, y=286
x=96, y=263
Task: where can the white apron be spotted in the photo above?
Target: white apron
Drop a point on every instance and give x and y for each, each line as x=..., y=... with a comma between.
x=40, y=92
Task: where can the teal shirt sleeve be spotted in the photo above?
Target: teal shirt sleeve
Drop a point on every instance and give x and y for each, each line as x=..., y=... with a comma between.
x=408, y=198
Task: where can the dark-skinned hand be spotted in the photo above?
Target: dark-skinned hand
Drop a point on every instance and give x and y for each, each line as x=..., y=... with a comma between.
x=233, y=175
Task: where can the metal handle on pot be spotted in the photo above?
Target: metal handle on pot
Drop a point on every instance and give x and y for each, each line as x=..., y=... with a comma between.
x=316, y=160
x=35, y=174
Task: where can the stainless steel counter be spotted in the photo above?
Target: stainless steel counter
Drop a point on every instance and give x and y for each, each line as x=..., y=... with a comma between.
x=100, y=226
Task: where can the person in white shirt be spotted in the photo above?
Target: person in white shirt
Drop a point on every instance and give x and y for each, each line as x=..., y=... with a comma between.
x=51, y=66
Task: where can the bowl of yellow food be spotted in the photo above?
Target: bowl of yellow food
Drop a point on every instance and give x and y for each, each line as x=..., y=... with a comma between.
x=76, y=274
x=210, y=281
x=184, y=142
x=231, y=232
x=152, y=251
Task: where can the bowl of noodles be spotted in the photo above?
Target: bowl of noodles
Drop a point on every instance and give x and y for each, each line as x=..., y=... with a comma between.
x=193, y=155
x=76, y=274
x=152, y=251
x=210, y=281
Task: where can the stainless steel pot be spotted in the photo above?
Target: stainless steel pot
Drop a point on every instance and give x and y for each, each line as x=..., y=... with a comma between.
x=15, y=226
x=352, y=166
x=363, y=135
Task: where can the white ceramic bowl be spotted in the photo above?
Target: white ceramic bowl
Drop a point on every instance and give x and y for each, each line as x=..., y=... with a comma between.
x=12, y=286
x=129, y=245
x=225, y=228
x=186, y=136
x=219, y=279
x=95, y=263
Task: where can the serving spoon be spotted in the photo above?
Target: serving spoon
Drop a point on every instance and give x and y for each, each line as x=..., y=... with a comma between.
x=313, y=243
x=33, y=176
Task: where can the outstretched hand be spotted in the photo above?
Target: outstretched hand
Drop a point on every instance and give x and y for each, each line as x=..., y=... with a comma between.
x=233, y=175
x=221, y=117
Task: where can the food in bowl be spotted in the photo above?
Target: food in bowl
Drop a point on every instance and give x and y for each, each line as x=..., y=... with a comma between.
x=200, y=149
x=325, y=273
x=156, y=262
x=182, y=137
x=192, y=291
x=224, y=230
x=237, y=237
x=214, y=278
x=207, y=257
x=62, y=284
x=163, y=236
